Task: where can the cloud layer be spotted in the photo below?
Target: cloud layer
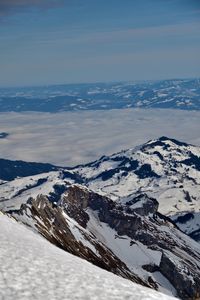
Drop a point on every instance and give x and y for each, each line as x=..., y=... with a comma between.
x=72, y=138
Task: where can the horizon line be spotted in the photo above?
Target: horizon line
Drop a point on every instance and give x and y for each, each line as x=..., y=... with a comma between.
x=137, y=81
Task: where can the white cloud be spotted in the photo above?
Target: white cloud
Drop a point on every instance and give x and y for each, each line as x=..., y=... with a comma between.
x=73, y=138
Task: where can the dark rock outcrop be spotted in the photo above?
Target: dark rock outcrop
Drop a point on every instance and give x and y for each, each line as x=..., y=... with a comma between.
x=181, y=273
x=51, y=222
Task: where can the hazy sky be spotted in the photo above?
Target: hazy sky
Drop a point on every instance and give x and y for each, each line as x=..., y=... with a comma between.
x=66, y=41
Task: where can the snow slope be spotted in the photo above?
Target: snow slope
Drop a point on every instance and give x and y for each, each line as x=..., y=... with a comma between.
x=165, y=169
x=32, y=268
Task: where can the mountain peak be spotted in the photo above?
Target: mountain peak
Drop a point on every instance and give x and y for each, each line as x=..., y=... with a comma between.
x=178, y=143
x=164, y=141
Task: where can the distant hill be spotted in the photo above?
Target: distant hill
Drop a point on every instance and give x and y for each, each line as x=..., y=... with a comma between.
x=176, y=94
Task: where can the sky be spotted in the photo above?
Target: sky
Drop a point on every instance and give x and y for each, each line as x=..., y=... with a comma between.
x=73, y=41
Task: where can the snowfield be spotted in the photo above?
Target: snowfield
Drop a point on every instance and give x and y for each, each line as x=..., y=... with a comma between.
x=32, y=268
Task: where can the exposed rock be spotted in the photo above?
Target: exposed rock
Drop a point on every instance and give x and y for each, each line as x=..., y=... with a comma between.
x=143, y=205
x=51, y=222
x=184, y=279
x=66, y=225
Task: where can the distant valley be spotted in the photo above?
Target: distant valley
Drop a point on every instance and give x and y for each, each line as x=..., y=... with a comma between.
x=176, y=94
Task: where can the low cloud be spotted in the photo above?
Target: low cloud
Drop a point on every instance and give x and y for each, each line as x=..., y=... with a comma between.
x=69, y=138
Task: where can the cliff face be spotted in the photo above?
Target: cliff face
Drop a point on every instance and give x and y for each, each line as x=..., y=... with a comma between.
x=69, y=234
x=133, y=240
x=177, y=273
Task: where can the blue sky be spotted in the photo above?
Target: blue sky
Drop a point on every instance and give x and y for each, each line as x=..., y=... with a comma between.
x=69, y=41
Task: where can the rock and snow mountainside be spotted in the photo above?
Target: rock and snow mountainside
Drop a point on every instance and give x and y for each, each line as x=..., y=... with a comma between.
x=32, y=268
x=117, y=213
x=165, y=169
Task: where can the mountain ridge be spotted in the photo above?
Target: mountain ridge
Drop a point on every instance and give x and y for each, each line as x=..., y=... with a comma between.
x=174, y=93
x=30, y=265
x=127, y=213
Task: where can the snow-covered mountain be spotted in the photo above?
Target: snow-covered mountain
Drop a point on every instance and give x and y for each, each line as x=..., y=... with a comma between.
x=122, y=212
x=32, y=268
x=175, y=93
x=165, y=169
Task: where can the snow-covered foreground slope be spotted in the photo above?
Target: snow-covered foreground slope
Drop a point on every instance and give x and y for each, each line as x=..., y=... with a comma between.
x=32, y=268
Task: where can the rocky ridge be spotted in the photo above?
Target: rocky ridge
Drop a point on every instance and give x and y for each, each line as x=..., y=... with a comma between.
x=133, y=241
